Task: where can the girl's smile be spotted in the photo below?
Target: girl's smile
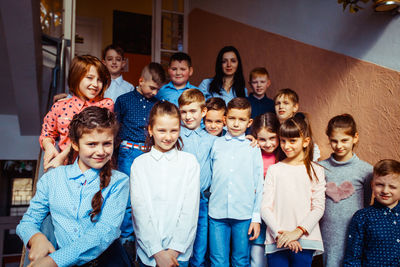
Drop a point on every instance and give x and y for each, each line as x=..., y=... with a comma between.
x=90, y=85
x=165, y=132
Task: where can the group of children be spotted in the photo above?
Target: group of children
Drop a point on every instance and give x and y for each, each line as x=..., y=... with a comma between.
x=217, y=177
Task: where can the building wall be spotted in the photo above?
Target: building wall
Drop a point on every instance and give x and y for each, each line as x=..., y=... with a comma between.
x=327, y=82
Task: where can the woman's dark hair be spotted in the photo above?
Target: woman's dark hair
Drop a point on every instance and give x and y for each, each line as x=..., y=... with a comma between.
x=159, y=109
x=299, y=126
x=89, y=119
x=238, y=79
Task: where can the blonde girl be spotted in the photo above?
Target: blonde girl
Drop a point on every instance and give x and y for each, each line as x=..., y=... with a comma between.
x=87, y=80
x=294, y=199
x=347, y=189
x=165, y=193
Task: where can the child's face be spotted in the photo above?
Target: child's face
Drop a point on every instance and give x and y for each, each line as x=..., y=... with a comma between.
x=285, y=108
x=214, y=121
x=95, y=148
x=267, y=141
x=342, y=144
x=294, y=147
x=386, y=189
x=260, y=84
x=90, y=86
x=237, y=121
x=192, y=115
x=148, y=88
x=229, y=63
x=165, y=132
x=179, y=72
x=114, y=62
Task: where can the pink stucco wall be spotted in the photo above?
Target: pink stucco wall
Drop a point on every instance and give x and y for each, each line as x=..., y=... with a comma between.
x=328, y=83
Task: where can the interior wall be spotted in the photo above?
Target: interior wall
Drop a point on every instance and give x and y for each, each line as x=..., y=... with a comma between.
x=13, y=145
x=367, y=35
x=328, y=83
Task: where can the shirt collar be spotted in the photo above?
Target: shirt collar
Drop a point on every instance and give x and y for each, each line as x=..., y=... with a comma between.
x=80, y=104
x=172, y=86
x=229, y=137
x=158, y=155
x=75, y=173
x=380, y=206
x=187, y=132
x=118, y=80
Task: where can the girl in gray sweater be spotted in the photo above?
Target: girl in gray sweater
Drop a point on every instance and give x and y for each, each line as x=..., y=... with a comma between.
x=347, y=187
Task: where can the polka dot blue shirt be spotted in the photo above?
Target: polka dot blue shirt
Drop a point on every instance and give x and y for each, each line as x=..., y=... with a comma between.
x=374, y=237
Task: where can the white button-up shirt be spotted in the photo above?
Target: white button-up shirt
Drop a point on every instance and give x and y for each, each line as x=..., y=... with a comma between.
x=165, y=193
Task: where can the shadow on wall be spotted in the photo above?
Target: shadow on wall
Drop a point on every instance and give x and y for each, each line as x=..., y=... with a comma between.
x=328, y=83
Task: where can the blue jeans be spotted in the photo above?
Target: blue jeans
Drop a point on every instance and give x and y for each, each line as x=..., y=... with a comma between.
x=126, y=156
x=222, y=231
x=288, y=258
x=200, y=243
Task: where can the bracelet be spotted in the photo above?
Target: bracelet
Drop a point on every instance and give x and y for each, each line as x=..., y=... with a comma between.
x=302, y=229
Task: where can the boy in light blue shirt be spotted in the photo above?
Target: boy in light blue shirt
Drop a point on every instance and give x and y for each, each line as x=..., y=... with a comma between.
x=114, y=60
x=198, y=142
x=236, y=189
x=179, y=70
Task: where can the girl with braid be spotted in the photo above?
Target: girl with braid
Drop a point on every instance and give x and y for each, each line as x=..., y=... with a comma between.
x=86, y=200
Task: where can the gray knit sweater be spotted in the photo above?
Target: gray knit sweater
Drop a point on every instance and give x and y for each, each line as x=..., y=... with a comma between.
x=337, y=215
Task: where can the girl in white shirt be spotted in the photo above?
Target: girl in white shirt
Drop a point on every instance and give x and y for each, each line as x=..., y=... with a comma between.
x=165, y=193
x=294, y=199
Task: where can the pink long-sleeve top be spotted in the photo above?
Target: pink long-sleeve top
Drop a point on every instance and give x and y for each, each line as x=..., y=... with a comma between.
x=291, y=199
x=57, y=120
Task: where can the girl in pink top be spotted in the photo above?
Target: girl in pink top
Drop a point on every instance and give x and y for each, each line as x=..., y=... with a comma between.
x=88, y=79
x=294, y=199
x=265, y=130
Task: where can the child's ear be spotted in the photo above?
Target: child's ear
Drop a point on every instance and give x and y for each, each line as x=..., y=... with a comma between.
x=141, y=81
x=204, y=112
x=123, y=64
x=103, y=61
x=249, y=123
x=75, y=146
x=150, y=131
x=306, y=141
x=355, y=138
x=296, y=107
x=190, y=71
x=268, y=83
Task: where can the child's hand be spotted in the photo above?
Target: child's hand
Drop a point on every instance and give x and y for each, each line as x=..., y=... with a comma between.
x=174, y=253
x=295, y=246
x=40, y=247
x=253, y=141
x=165, y=259
x=55, y=162
x=255, y=228
x=286, y=237
x=49, y=154
x=58, y=97
x=43, y=262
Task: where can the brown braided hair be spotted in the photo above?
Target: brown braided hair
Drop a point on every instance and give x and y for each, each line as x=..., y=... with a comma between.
x=89, y=119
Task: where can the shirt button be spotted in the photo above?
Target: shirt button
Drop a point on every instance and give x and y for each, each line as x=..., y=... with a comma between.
x=144, y=106
x=231, y=170
x=397, y=214
x=230, y=183
x=229, y=195
x=349, y=236
x=398, y=240
x=75, y=230
x=74, y=208
x=394, y=222
x=385, y=213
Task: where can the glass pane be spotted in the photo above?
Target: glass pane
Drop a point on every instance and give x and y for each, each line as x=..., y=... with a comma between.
x=165, y=56
x=172, y=32
x=21, y=191
x=51, y=17
x=173, y=5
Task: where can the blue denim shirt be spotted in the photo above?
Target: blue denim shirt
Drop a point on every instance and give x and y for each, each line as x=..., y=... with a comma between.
x=204, y=88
